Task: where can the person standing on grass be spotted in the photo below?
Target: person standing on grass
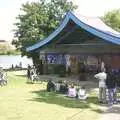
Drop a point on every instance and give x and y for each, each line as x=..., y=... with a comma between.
x=111, y=86
x=102, y=76
x=28, y=72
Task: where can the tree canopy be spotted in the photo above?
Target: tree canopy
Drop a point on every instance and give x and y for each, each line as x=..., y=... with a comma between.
x=38, y=20
x=112, y=19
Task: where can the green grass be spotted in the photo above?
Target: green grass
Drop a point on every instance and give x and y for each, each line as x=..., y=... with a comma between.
x=10, y=52
x=22, y=101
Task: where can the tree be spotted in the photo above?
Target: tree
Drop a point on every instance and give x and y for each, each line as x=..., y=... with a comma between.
x=38, y=20
x=112, y=19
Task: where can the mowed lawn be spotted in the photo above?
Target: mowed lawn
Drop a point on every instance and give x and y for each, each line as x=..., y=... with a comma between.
x=22, y=101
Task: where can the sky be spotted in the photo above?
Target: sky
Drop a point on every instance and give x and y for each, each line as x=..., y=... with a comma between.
x=9, y=10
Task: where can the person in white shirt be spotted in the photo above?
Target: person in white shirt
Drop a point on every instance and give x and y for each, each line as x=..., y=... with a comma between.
x=102, y=76
x=82, y=93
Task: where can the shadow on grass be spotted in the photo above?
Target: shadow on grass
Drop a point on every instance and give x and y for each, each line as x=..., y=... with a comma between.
x=60, y=99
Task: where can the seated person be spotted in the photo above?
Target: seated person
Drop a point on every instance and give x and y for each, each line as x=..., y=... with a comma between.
x=50, y=86
x=64, y=88
x=72, y=91
x=82, y=93
x=57, y=86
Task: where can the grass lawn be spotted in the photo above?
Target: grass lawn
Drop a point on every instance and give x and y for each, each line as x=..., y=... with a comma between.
x=22, y=101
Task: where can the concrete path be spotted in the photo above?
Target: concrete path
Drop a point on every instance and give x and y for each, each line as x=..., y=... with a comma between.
x=110, y=113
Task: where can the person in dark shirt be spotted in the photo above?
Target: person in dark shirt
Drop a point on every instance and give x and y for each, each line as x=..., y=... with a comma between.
x=28, y=71
x=64, y=88
x=50, y=86
x=111, y=86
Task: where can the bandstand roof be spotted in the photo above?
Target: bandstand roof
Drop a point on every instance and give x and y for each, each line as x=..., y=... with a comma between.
x=94, y=26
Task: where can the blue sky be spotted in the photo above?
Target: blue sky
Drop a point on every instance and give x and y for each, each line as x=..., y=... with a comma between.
x=9, y=9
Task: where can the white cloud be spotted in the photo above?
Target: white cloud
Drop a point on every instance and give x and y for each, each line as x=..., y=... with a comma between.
x=96, y=7
x=9, y=9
